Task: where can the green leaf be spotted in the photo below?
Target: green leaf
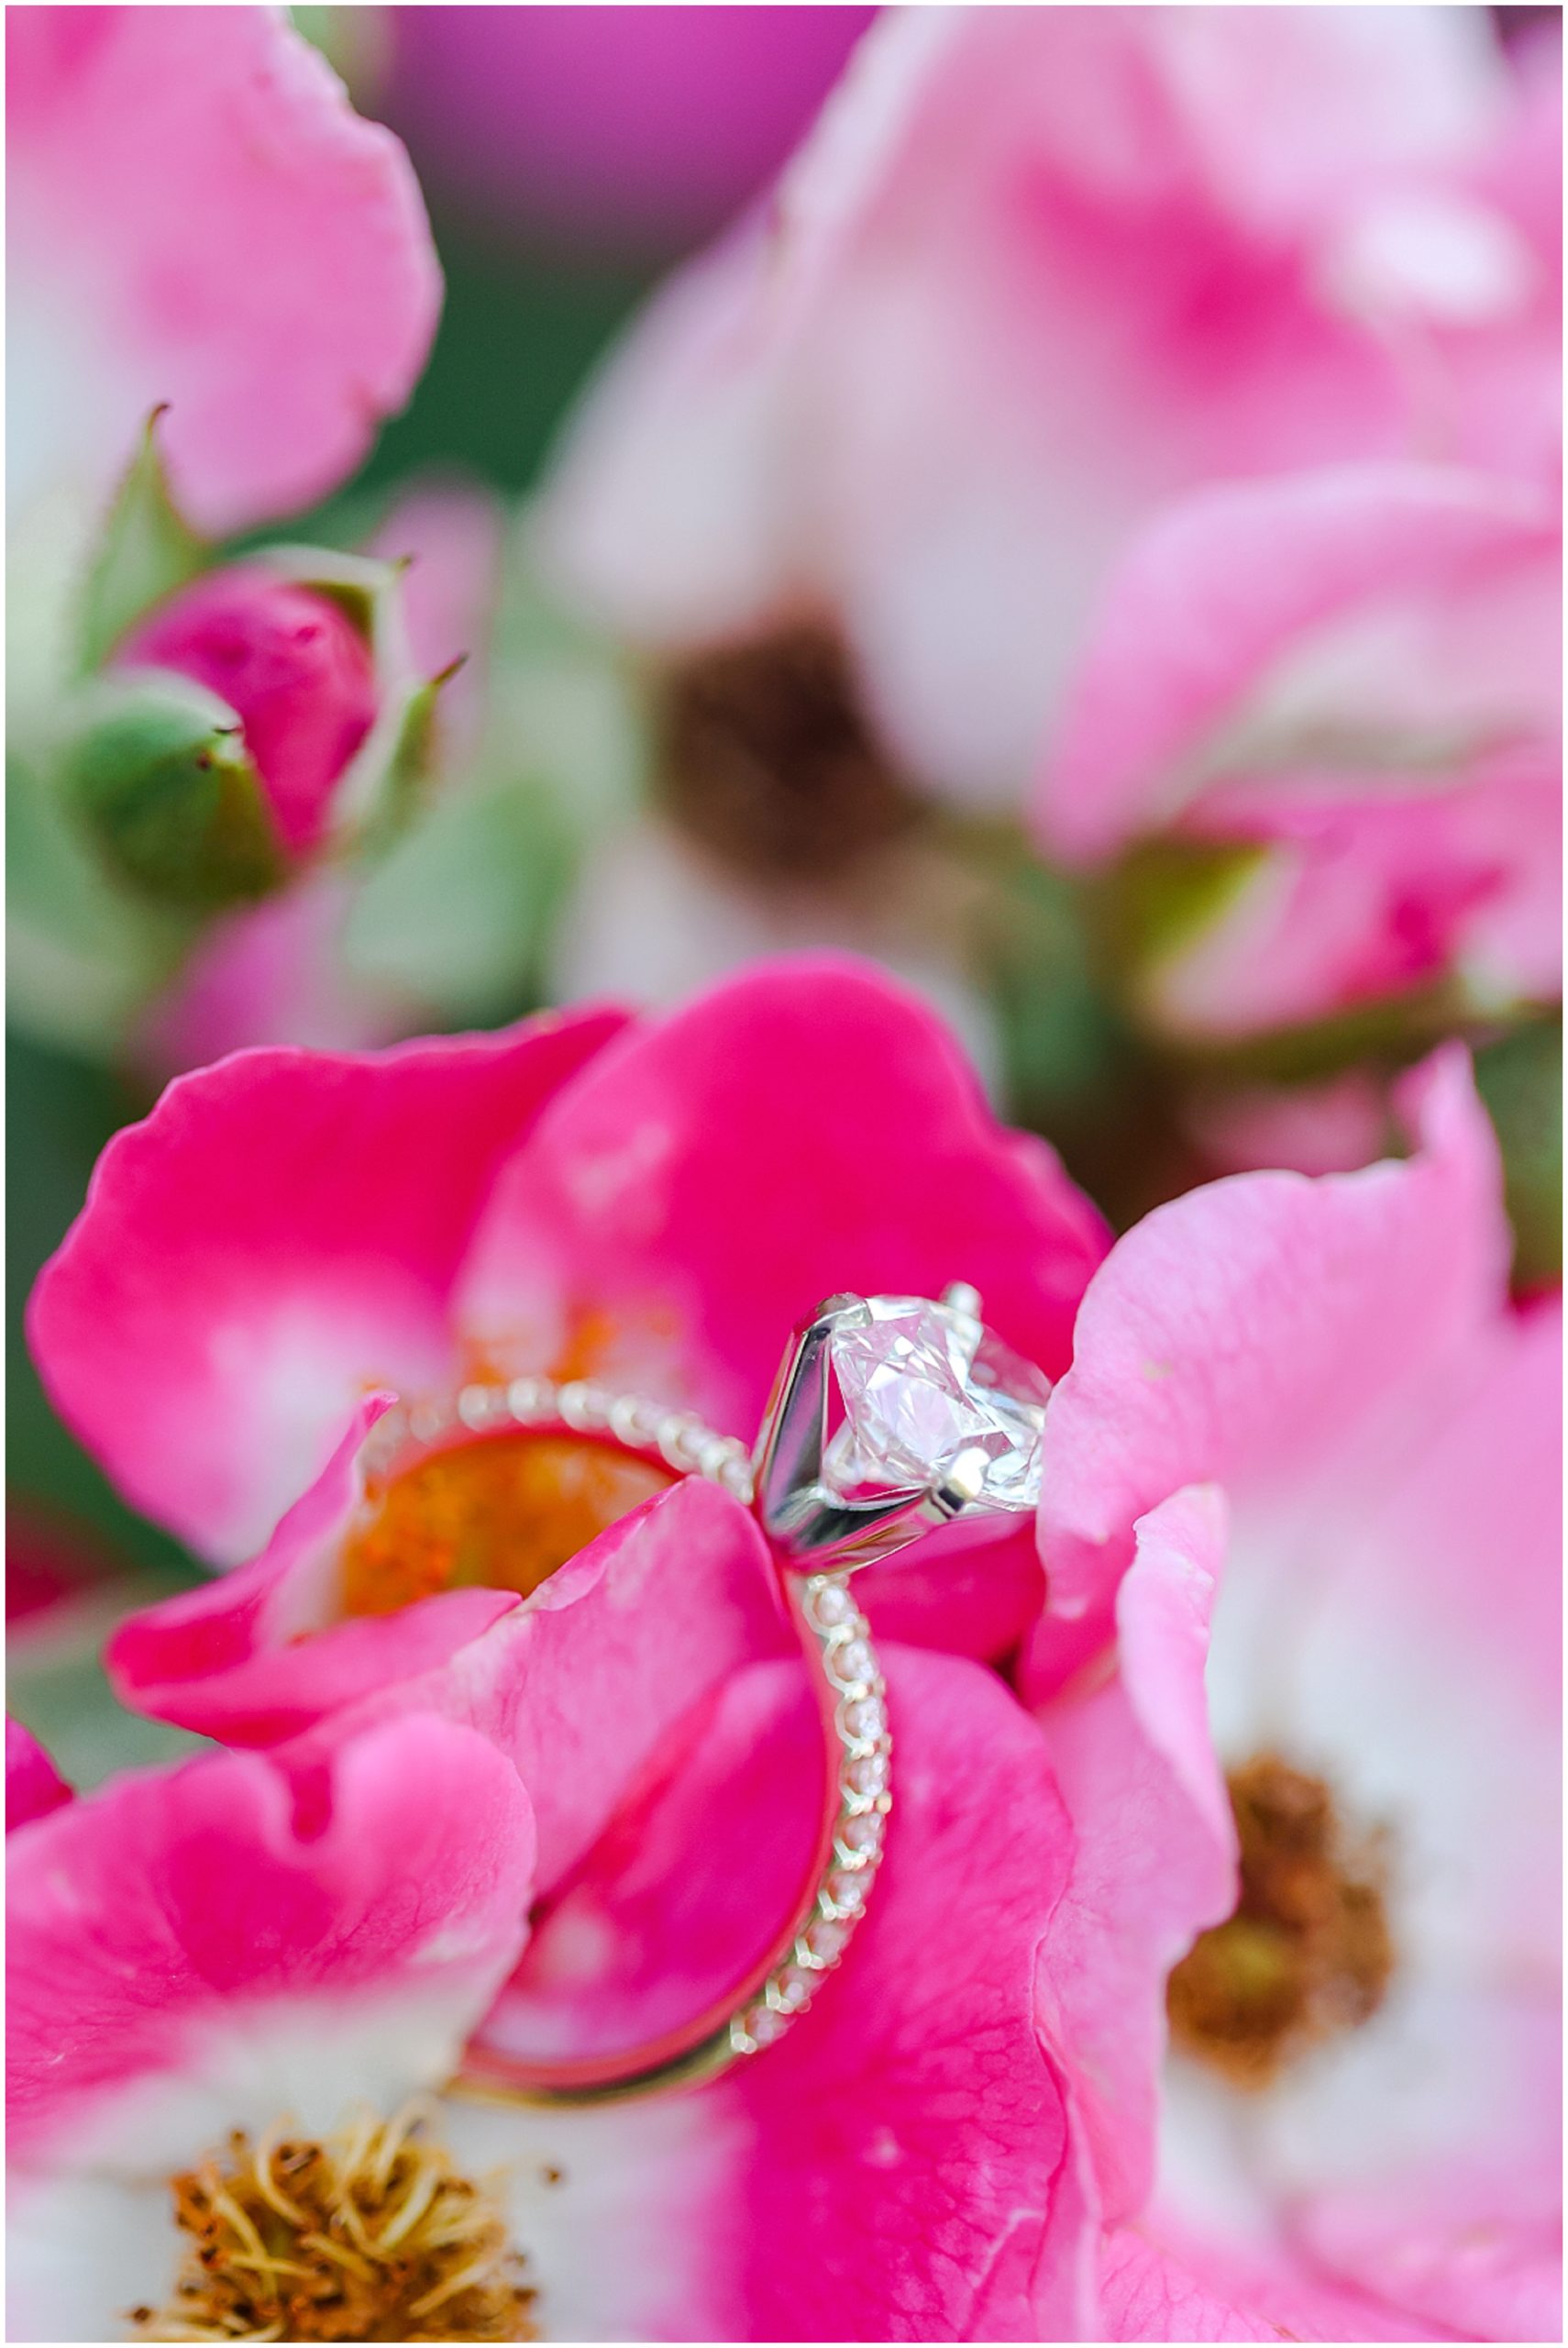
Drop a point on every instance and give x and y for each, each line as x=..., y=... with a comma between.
x=455, y=913
x=160, y=776
x=147, y=550
x=1521, y=1080
x=59, y=1113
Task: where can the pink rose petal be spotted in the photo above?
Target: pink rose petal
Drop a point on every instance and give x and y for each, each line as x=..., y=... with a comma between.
x=197, y=218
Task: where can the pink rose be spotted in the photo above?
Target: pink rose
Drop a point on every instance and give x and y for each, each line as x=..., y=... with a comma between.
x=203, y=231
x=291, y=665
x=225, y=791
x=1036, y=272
x=295, y=969
x=645, y=1200
x=252, y=1956
x=1320, y=719
x=1303, y=1473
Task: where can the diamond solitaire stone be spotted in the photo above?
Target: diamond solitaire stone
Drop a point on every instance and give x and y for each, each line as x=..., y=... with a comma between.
x=922, y=1384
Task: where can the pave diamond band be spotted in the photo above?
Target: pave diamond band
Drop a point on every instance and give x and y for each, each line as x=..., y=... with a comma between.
x=890, y=1417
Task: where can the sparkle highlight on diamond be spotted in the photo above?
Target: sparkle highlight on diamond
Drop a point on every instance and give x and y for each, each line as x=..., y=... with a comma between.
x=923, y=1385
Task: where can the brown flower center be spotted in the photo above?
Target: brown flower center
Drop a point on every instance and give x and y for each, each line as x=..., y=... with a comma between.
x=764, y=757
x=371, y=2235
x=497, y=1514
x=1307, y=1952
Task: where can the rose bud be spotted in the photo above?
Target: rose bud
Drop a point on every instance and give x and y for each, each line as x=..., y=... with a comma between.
x=261, y=715
x=291, y=665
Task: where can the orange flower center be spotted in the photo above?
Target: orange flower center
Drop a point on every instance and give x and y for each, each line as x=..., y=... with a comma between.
x=1308, y=1952
x=497, y=1514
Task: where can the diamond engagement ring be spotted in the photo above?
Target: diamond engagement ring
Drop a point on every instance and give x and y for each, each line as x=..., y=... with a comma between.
x=891, y=1417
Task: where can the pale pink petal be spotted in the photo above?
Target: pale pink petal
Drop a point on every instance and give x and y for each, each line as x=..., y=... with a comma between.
x=1405, y=597
x=1034, y=272
x=652, y=919
x=1246, y=1332
x=1425, y=2163
x=1431, y=1656
x=1373, y=885
x=669, y=516
x=197, y=218
x=1201, y=2291
x=1524, y=173
x=1154, y=1845
x=185, y=1947
x=1329, y=1127
x=275, y=973
x=279, y=1237
x=1480, y=2252
x=34, y=1786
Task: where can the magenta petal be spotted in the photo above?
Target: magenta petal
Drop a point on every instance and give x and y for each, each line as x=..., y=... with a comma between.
x=690, y=1885
x=804, y=1128
x=260, y=1655
x=579, y=1686
x=280, y=1235
x=975, y=1601
x=914, y=2106
x=162, y=1927
x=890, y=2169
x=198, y=217
x=34, y=1786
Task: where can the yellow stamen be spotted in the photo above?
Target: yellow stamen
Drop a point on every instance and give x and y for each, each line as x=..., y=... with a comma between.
x=1307, y=1952
x=377, y=2238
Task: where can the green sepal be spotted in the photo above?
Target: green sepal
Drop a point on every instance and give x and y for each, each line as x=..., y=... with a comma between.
x=1158, y=902
x=1163, y=894
x=147, y=549
x=383, y=784
x=1519, y=1078
x=159, y=775
x=410, y=765
x=84, y=954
